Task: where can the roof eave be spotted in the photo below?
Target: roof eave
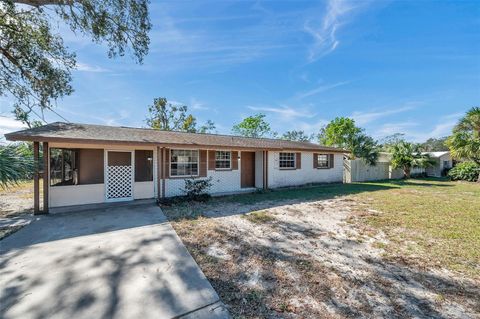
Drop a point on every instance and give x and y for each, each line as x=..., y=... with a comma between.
x=35, y=138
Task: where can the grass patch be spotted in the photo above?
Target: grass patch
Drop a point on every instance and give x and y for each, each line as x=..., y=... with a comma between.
x=259, y=217
x=433, y=220
x=19, y=187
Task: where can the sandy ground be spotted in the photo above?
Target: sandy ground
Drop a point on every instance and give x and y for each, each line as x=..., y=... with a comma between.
x=310, y=260
x=16, y=200
x=16, y=208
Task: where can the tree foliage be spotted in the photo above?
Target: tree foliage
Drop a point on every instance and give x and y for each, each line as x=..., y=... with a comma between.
x=16, y=164
x=388, y=141
x=434, y=145
x=253, y=126
x=35, y=63
x=464, y=143
x=407, y=155
x=342, y=132
x=295, y=135
x=166, y=116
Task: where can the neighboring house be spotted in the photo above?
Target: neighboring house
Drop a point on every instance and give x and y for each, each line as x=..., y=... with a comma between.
x=89, y=164
x=443, y=161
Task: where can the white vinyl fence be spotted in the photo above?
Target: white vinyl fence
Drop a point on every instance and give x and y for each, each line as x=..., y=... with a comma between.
x=358, y=171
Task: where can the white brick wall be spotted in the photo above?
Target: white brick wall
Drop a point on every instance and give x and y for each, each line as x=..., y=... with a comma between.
x=306, y=174
x=222, y=182
x=229, y=181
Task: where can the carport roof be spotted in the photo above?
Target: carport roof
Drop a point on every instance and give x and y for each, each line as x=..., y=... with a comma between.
x=101, y=134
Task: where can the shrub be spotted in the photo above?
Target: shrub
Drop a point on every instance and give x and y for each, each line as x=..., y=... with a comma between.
x=466, y=171
x=197, y=189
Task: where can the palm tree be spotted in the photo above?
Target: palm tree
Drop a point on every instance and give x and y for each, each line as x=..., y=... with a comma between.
x=407, y=156
x=14, y=166
x=464, y=144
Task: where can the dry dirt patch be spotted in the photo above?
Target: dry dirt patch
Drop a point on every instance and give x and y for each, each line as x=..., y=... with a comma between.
x=16, y=207
x=16, y=200
x=309, y=260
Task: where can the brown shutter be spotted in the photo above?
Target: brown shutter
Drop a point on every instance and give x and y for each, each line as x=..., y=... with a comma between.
x=330, y=162
x=234, y=160
x=203, y=163
x=211, y=160
x=315, y=160
x=299, y=161
x=166, y=163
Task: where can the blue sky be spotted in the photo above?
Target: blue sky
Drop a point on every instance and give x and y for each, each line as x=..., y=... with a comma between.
x=408, y=67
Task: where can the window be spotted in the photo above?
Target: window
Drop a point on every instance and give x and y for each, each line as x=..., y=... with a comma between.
x=223, y=160
x=143, y=166
x=287, y=160
x=446, y=164
x=63, y=167
x=322, y=161
x=183, y=163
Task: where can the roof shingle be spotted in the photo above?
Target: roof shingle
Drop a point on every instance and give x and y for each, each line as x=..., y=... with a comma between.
x=89, y=133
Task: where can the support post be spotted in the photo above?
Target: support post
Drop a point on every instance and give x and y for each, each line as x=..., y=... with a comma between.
x=159, y=173
x=36, y=184
x=46, y=177
x=163, y=171
x=265, y=170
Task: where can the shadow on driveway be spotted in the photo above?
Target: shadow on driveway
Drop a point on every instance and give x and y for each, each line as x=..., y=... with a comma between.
x=123, y=262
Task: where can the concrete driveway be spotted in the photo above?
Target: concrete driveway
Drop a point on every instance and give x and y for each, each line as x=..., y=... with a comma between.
x=122, y=262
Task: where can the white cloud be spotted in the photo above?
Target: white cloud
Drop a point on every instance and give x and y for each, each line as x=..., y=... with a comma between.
x=392, y=128
x=320, y=89
x=416, y=132
x=197, y=105
x=84, y=67
x=285, y=112
x=115, y=118
x=7, y=125
x=447, y=122
x=311, y=128
x=324, y=34
x=362, y=118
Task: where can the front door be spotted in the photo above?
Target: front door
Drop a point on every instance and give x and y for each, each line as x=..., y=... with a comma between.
x=248, y=169
x=119, y=175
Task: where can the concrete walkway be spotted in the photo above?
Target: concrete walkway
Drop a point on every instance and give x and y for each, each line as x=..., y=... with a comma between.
x=120, y=262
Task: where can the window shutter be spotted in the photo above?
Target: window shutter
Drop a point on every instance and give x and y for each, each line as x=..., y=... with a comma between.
x=203, y=163
x=299, y=161
x=331, y=160
x=315, y=160
x=166, y=162
x=234, y=160
x=211, y=160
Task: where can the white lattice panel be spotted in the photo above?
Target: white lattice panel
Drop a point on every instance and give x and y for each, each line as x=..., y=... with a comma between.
x=119, y=182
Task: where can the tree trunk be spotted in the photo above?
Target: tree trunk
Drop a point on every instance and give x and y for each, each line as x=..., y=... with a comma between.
x=406, y=172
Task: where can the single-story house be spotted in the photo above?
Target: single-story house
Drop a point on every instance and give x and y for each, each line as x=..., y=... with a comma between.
x=87, y=164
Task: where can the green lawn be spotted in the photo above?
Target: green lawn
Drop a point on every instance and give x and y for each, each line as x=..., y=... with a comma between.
x=428, y=221
x=435, y=221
